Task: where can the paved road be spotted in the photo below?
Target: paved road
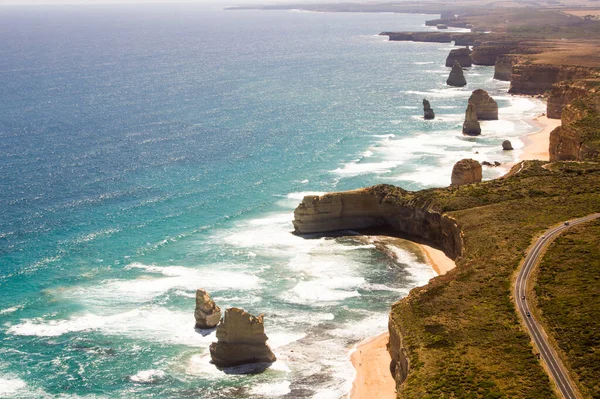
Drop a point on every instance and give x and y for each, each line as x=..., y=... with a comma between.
x=557, y=370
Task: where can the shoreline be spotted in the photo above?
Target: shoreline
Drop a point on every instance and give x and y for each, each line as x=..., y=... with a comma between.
x=370, y=358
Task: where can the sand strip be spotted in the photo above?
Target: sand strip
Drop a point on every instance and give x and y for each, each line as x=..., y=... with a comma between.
x=438, y=259
x=372, y=363
x=537, y=144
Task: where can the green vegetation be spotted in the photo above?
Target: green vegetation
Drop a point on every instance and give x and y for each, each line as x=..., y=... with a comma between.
x=568, y=295
x=462, y=332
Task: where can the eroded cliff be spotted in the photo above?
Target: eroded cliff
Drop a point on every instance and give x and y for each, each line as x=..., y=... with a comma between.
x=530, y=78
x=376, y=206
x=578, y=137
x=459, y=336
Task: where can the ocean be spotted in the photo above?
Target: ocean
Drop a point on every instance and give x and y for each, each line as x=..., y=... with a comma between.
x=150, y=150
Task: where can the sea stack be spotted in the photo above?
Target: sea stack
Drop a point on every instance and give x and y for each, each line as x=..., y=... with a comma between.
x=457, y=77
x=241, y=339
x=462, y=55
x=507, y=145
x=485, y=106
x=466, y=171
x=427, y=111
x=471, y=125
x=207, y=313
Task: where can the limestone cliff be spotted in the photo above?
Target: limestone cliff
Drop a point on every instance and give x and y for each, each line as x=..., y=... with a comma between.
x=374, y=208
x=503, y=67
x=578, y=137
x=529, y=78
x=563, y=93
x=488, y=53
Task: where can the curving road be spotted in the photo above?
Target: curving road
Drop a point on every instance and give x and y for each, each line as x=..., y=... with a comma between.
x=555, y=366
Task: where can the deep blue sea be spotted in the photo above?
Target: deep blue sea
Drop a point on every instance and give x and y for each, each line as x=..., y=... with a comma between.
x=147, y=151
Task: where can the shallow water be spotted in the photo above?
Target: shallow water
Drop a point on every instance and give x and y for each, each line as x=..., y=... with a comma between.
x=149, y=151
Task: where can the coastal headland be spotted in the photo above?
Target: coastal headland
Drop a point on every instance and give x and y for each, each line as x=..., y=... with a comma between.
x=460, y=335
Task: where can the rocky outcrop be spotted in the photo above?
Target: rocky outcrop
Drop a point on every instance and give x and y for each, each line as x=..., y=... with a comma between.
x=503, y=67
x=428, y=113
x=471, y=125
x=488, y=53
x=457, y=77
x=466, y=171
x=442, y=26
x=485, y=106
x=528, y=78
x=459, y=38
x=507, y=145
x=207, y=313
x=241, y=340
x=376, y=207
x=462, y=55
x=578, y=137
x=563, y=93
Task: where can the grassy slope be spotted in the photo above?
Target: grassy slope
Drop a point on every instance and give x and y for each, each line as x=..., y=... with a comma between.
x=568, y=295
x=464, y=337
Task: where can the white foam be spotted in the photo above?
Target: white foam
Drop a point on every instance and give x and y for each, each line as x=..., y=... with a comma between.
x=11, y=386
x=151, y=323
x=148, y=376
x=271, y=389
x=356, y=167
x=11, y=309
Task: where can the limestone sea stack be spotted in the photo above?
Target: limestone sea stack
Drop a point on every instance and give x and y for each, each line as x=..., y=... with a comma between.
x=466, y=171
x=462, y=55
x=507, y=145
x=471, y=125
x=207, y=313
x=457, y=77
x=427, y=111
x=485, y=106
x=241, y=339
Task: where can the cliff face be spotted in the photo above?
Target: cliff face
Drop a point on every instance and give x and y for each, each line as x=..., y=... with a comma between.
x=487, y=54
x=578, y=137
x=367, y=208
x=563, y=93
x=538, y=78
x=503, y=67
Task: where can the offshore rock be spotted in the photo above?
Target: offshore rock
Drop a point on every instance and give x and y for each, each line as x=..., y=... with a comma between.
x=241, y=340
x=471, y=125
x=462, y=55
x=485, y=106
x=466, y=171
x=427, y=111
x=457, y=77
x=507, y=145
x=207, y=313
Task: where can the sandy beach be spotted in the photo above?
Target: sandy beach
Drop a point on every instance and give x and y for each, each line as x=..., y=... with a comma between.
x=371, y=358
x=536, y=144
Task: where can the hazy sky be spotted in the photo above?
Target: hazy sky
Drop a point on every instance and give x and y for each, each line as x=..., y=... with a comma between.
x=211, y=2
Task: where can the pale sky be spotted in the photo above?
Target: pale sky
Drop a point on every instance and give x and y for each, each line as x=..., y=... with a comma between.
x=224, y=3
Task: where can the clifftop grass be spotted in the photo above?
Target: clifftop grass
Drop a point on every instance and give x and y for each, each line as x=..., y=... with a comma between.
x=462, y=332
x=568, y=297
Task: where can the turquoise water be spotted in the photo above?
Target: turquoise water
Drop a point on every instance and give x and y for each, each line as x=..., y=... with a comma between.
x=147, y=151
